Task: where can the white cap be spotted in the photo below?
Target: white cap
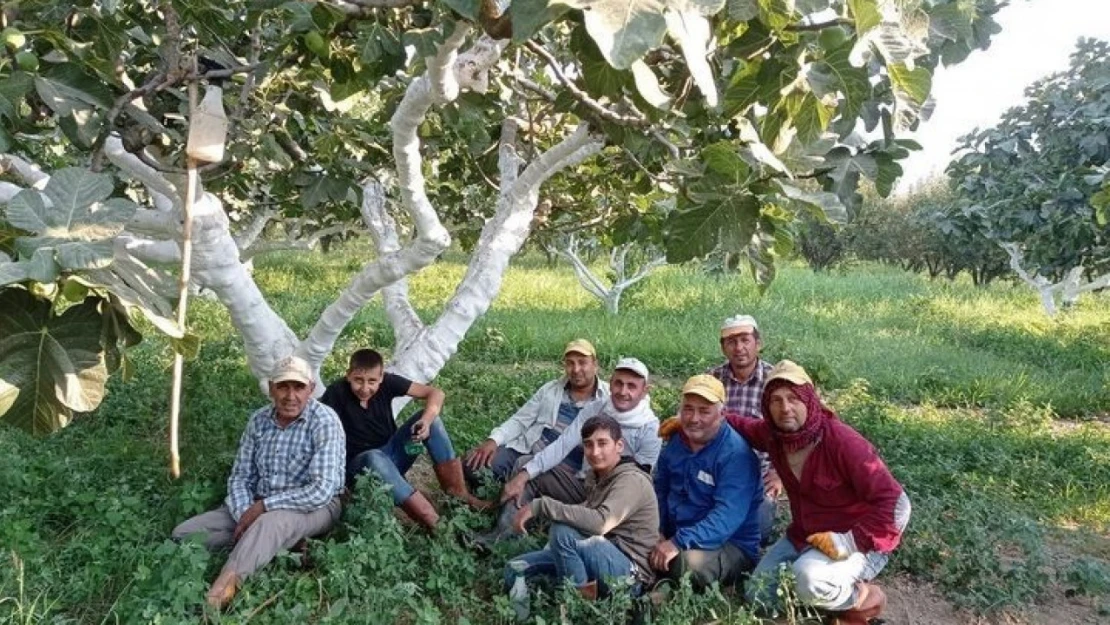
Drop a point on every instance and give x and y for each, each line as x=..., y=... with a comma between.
x=634, y=365
x=292, y=368
x=738, y=325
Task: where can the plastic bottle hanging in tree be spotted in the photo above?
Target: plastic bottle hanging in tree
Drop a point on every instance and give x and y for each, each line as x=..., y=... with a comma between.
x=208, y=128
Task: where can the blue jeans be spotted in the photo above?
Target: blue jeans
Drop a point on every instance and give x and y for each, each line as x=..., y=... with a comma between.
x=571, y=555
x=821, y=582
x=501, y=465
x=390, y=462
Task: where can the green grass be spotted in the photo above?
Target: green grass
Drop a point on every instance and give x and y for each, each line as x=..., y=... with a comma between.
x=961, y=389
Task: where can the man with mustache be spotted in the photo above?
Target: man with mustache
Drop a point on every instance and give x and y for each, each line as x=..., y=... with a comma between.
x=284, y=485
x=709, y=492
x=556, y=471
x=847, y=510
x=543, y=417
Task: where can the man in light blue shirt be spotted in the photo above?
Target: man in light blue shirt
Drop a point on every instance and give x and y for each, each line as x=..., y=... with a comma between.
x=284, y=485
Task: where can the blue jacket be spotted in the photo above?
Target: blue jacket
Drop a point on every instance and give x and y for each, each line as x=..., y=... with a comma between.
x=712, y=496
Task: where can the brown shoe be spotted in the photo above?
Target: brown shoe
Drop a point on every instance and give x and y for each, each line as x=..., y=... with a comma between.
x=420, y=510
x=869, y=604
x=588, y=591
x=223, y=589
x=451, y=479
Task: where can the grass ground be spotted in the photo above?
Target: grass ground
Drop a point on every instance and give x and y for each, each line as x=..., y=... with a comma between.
x=992, y=416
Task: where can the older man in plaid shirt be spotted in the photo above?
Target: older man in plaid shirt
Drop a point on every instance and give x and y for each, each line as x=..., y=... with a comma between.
x=284, y=486
x=743, y=375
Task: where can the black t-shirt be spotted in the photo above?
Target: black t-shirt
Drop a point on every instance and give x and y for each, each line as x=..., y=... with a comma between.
x=372, y=426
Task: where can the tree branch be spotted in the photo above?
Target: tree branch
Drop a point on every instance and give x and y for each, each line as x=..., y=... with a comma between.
x=254, y=229
x=801, y=28
x=8, y=191
x=468, y=70
x=30, y=173
x=572, y=150
x=395, y=297
x=593, y=105
x=155, y=183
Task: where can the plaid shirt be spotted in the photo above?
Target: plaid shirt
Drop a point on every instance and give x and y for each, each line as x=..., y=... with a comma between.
x=743, y=396
x=299, y=467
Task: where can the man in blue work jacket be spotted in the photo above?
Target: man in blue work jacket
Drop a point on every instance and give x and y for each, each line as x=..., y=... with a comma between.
x=709, y=490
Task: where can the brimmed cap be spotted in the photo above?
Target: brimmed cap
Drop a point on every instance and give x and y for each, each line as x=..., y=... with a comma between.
x=292, y=368
x=706, y=387
x=634, y=365
x=580, y=346
x=738, y=325
x=790, y=371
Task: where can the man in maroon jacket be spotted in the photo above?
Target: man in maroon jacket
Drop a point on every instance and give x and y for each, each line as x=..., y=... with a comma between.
x=848, y=510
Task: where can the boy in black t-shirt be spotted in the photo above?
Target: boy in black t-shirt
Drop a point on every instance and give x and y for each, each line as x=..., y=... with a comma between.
x=363, y=400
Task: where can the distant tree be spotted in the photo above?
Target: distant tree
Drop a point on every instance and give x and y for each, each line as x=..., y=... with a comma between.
x=1035, y=179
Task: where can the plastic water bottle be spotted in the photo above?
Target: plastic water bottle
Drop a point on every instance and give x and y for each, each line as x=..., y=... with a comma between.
x=414, y=448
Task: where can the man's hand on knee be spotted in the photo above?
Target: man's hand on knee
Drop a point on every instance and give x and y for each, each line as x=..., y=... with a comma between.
x=249, y=517
x=481, y=456
x=661, y=556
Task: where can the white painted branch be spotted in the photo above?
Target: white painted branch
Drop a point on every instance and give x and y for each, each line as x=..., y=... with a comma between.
x=441, y=74
x=148, y=250
x=610, y=296
x=28, y=172
x=501, y=238
x=165, y=193
x=586, y=278
x=406, y=323
x=216, y=266
x=154, y=222
x=1044, y=288
x=8, y=191
x=250, y=234
x=431, y=237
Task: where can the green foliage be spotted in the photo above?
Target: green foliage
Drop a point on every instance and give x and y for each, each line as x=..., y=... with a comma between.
x=929, y=229
x=314, y=87
x=1034, y=179
x=56, y=356
x=972, y=380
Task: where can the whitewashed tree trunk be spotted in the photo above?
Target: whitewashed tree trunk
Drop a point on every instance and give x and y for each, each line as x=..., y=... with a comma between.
x=610, y=296
x=420, y=350
x=1069, y=289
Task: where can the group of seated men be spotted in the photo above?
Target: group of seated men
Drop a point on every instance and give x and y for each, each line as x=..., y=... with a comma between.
x=628, y=500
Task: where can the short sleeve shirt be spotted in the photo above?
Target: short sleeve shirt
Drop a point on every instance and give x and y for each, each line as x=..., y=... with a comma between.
x=370, y=427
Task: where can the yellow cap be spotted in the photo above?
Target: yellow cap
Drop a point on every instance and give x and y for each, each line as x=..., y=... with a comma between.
x=790, y=371
x=705, y=386
x=580, y=346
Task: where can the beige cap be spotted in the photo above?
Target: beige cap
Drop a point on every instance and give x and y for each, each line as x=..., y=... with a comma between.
x=738, y=324
x=790, y=371
x=293, y=369
x=706, y=387
x=580, y=346
x=634, y=365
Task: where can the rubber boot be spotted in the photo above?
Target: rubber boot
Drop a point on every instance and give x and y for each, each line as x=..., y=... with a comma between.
x=588, y=591
x=420, y=510
x=223, y=589
x=453, y=482
x=502, y=530
x=869, y=604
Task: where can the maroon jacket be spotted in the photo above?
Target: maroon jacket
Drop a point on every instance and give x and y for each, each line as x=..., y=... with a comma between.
x=844, y=486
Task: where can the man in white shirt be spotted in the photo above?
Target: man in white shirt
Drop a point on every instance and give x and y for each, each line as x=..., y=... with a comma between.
x=556, y=471
x=543, y=417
